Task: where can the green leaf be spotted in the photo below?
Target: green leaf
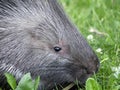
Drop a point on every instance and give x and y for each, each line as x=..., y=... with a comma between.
x=11, y=80
x=116, y=87
x=37, y=81
x=25, y=83
x=91, y=84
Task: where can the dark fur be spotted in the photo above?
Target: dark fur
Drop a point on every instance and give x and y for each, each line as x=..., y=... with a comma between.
x=29, y=31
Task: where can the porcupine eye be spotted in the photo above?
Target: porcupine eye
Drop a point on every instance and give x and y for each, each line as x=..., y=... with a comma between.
x=57, y=48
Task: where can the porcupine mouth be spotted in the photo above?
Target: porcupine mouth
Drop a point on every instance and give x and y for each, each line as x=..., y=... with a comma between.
x=76, y=85
x=69, y=86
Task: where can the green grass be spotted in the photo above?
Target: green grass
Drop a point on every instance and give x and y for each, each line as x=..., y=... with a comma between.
x=103, y=16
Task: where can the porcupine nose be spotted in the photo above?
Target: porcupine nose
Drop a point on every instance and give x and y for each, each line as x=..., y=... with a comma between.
x=94, y=65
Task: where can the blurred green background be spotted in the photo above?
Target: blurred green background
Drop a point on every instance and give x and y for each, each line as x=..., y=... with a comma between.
x=99, y=23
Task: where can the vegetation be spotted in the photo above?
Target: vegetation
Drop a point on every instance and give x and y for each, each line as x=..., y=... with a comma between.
x=99, y=22
x=26, y=82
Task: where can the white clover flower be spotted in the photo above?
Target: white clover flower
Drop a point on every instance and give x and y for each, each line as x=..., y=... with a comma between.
x=116, y=71
x=93, y=30
x=99, y=50
x=90, y=37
